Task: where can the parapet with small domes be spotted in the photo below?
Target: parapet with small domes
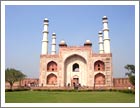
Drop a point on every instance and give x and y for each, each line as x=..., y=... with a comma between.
x=62, y=44
x=88, y=43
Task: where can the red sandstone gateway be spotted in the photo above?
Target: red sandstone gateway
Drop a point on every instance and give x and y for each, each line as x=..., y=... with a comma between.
x=76, y=65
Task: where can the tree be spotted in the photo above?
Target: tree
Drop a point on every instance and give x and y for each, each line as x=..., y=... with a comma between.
x=13, y=75
x=130, y=73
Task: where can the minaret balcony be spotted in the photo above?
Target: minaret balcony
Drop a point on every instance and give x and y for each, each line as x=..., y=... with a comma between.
x=45, y=32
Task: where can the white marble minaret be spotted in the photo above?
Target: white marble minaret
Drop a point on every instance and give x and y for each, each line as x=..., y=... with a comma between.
x=45, y=37
x=53, y=44
x=101, y=45
x=106, y=35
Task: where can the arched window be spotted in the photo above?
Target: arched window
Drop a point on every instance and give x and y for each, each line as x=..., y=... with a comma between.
x=51, y=79
x=99, y=66
x=52, y=66
x=75, y=67
x=99, y=79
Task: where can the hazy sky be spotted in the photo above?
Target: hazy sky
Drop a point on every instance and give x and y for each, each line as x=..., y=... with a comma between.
x=74, y=24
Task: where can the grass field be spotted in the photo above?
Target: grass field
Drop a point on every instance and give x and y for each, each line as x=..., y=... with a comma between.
x=68, y=97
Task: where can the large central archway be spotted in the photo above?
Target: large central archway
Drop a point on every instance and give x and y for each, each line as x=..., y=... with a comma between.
x=75, y=65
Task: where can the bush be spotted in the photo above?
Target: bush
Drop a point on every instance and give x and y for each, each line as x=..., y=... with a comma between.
x=8, y=90
x=112, y=90
x=54, y=90
x=19, y=89
x=71, y=90
x=127, y=91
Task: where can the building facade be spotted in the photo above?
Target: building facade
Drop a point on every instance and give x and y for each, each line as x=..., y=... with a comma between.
x=74, y=65
x=118, y=83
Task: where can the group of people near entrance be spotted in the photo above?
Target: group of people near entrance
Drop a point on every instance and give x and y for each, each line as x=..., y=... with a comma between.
x=75, y=85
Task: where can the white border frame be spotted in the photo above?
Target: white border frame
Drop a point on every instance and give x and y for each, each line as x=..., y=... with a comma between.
x=4, y=3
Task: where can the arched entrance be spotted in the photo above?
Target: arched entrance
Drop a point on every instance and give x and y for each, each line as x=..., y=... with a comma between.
x=52, y=66
x=75, y=65
x=51, y=79
x=99, y=79
x=99, y=66
x=75, y=80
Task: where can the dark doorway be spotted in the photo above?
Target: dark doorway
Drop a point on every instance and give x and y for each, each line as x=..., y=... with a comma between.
x=75, y=81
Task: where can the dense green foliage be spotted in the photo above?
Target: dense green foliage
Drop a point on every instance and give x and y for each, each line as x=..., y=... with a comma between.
x=131, y=73
x=69, y=97
x=71, y=90
x=13, y=75
x=132, y=79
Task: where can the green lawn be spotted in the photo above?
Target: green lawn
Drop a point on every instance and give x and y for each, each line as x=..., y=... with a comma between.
x=68, y=97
